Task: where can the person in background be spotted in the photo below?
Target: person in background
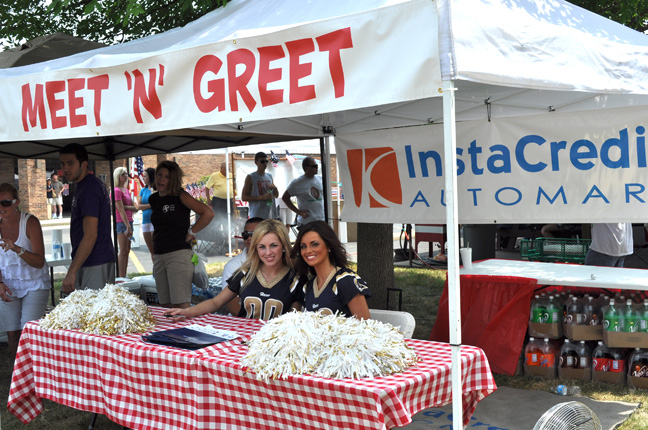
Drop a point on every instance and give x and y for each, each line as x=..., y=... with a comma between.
x=171, y=209
x=332, y=286
x=93, y=254
x=148, y=175
x=308, y=190
x=24, y=274
x=233, y=265
x=266, y=283
x=218, y=183
x=57, y=191
x=259, y=190
x=124, y=208
x=611, y=244
x=50, y=194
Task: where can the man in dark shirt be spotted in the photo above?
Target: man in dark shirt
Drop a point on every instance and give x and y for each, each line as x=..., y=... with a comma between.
x=93, y=255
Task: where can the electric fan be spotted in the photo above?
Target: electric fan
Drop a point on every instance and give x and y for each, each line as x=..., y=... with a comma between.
x=569, y=416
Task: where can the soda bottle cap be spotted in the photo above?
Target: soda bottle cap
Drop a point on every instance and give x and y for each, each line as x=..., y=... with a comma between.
x=546, y=340
x=600, y=342
x=582, y=342
x=629, y=302
x=532, y=338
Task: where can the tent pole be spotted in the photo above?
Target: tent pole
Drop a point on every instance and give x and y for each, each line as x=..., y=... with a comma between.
x=452, y=222
x=325, y=156
x=108, y=142
x=228, y=181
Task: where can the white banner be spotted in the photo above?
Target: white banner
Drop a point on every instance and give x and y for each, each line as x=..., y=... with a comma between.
x=563, y=168
x=317, y=67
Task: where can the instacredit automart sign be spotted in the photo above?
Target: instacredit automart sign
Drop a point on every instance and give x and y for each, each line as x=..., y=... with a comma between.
x=576, y=167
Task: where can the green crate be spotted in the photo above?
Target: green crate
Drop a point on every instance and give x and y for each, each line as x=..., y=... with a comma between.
x=549, y=249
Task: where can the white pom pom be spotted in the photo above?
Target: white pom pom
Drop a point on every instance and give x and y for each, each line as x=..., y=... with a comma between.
x=331, y=346
x=111, y=310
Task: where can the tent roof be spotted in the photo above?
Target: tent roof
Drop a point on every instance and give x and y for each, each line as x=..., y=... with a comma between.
x=45, y=48
x=507, y=58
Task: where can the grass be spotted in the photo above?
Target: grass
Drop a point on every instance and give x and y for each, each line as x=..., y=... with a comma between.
x=416, y=283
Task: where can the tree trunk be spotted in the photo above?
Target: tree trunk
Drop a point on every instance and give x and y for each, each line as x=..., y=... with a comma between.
x=376, y=260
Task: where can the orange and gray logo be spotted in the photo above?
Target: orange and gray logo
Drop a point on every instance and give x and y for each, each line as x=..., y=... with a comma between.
x=374, y=172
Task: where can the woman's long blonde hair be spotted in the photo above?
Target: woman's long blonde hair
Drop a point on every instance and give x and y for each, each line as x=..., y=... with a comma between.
x=252, y=264
x=117, y=175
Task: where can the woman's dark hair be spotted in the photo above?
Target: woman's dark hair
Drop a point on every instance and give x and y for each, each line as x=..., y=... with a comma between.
x=150, y=171
x=175, y=176
x=337, y=254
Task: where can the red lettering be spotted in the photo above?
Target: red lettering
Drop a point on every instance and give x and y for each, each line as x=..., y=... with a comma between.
x=268, y=75
x=51, y=89
x=333, y=42
x=238, y=84
x=209, y=63
x=147, y=97
x=97, y=84
x=32, y=112
x=296, y=49
x=75, y=103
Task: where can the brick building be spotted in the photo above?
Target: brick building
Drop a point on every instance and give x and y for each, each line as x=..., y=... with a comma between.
x=32, y=174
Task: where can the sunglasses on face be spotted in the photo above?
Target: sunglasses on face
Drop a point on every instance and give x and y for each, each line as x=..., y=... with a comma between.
x=312, y=165
x=263, y=161
x=7, y=203
x=247, y=234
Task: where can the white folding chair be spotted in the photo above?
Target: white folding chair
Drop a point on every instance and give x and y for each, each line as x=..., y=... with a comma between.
x=403, y=321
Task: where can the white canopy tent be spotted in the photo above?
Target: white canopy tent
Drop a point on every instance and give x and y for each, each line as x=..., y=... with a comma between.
x=261, y=71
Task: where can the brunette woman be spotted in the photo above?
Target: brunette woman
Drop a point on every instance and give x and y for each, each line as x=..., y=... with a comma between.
x=332, y=287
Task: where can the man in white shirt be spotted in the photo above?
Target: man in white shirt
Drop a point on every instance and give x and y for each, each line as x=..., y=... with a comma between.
x=611, y=244
x=234, y=306
x=308, y=190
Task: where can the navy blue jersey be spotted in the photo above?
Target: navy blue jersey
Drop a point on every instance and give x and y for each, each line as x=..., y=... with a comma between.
x=263, y=300
x=337, y=294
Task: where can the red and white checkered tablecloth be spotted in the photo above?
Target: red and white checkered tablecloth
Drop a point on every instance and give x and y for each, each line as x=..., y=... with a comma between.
x=146, y=386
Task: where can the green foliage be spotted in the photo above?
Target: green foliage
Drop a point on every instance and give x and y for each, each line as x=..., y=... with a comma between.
x=105, y=21
x=631, y=13
x=115, y=21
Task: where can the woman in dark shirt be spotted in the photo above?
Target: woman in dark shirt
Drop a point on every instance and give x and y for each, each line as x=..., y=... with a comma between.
x=332, y=287
x=171, y=209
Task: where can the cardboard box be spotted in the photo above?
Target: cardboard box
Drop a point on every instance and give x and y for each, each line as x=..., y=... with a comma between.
x=571, y=373
x=618, y=378
x=615, y=339
x=542, y=372
x=637, y=382
x=583, y=332
x=551, y=331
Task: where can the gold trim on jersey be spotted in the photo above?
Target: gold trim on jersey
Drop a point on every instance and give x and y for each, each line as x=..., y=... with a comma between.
x=269, y=284
x=318, y=290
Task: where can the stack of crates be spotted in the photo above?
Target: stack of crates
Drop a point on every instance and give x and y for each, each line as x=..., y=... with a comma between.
x=555, y=250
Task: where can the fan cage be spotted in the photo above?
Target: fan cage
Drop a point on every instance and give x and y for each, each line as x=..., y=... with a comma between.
x=569, y=416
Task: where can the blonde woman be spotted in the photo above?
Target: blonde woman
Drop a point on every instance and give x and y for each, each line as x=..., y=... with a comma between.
x=124, y=208
x=266, y=283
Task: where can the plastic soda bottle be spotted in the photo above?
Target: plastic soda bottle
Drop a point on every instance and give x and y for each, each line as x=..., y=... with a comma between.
x=643, y=322
x=537, y=310
x=611, y=318
x=553, y=310
x=631, y=319
x=574, y=315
